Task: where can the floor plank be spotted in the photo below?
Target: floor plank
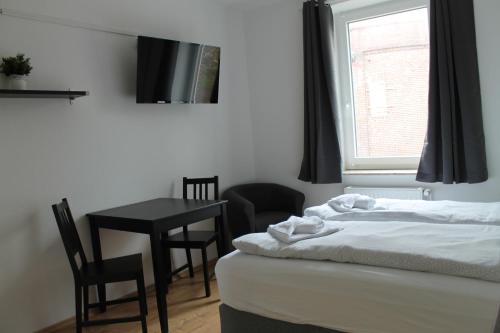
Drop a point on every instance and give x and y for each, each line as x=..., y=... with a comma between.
x=189, y=311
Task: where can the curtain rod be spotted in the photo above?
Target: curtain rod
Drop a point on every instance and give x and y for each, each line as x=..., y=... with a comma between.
x=62, y=21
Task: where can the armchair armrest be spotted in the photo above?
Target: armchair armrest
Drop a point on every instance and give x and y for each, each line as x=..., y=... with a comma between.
x=241, y=214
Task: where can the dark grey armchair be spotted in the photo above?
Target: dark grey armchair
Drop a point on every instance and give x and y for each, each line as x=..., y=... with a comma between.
x=253, y=207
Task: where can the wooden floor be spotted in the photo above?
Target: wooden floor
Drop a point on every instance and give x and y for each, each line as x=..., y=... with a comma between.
x=189, y=311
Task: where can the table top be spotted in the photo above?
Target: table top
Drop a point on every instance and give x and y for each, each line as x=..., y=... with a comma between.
x=157, y=209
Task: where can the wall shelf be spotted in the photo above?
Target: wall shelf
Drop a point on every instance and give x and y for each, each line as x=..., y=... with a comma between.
x=71, y=95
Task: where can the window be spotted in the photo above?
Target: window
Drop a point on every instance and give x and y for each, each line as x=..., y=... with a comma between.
x=383, y=68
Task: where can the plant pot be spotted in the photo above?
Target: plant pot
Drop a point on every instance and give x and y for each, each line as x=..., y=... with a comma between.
x=17, y=82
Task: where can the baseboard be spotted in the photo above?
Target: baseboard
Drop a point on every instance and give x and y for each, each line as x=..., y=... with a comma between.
x=149, y=288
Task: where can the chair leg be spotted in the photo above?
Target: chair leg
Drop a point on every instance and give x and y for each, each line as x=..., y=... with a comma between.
x=190, y=262
x=205, y=271
x=144, y=325
x=141, y=290
x=78, y=308
x=85, y=303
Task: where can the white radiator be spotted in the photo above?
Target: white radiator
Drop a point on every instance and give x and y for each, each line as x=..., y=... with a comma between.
x=405, y=193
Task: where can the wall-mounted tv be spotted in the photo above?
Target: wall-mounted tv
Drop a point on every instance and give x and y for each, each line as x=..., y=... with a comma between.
x=170, y=71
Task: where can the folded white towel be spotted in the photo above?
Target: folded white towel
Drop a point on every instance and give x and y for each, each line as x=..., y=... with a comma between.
x=349, y=202
x=299, y=228
x=364, y=202
x=309, y=225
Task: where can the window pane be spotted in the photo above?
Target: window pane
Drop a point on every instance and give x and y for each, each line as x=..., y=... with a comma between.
x=390, y=66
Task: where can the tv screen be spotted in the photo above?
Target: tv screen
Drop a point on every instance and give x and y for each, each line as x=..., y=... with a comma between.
x=171, y=71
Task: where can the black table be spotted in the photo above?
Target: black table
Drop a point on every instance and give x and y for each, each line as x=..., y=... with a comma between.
x=155, y=217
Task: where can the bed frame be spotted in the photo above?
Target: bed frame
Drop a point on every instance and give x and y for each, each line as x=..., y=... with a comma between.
x=235, y=321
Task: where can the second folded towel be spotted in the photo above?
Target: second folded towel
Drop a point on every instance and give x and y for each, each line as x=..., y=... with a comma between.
x=349, y=202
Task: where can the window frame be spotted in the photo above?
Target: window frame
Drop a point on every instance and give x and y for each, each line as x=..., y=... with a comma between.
x=344, y=84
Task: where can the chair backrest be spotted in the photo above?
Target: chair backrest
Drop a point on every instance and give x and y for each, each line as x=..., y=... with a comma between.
x=69, y=236
x=200, y=187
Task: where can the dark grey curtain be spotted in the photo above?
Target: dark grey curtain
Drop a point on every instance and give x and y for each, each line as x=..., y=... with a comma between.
x=322, y=160
x=454, y=151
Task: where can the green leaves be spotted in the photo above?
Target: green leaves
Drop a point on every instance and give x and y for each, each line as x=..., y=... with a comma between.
x=18, y=65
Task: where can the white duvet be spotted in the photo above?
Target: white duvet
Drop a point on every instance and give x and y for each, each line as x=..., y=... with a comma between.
x=471, y=250
x=416, y=211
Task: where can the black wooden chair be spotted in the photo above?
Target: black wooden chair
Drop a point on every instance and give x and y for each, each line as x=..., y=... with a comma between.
x=86, y=274
x=191, y=239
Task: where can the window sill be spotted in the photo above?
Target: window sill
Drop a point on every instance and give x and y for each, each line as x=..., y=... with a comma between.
x=379, y=172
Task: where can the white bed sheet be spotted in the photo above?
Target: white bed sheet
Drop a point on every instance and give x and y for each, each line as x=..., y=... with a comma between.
x=356, y=298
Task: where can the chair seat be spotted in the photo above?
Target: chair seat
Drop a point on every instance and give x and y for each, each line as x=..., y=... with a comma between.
x=194, y=239
x=264, y=219
x=112, y=270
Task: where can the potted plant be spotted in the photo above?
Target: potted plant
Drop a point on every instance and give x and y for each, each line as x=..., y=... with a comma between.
x=16, y=69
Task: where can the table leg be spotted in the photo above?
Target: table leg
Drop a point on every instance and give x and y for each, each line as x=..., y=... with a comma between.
x=224, y=240
x=96, y=249
x=167, y=255
x=160, y=279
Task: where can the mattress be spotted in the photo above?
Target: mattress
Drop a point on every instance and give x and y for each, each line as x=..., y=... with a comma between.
x=356, y=298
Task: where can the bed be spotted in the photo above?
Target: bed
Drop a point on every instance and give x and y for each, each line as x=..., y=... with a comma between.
x=264, y=294
x=350, y=298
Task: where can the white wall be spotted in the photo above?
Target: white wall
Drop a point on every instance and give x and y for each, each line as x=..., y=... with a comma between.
x=274, y=44
x=104, y=150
